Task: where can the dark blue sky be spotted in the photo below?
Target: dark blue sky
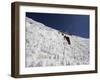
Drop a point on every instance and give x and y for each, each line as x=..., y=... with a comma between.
x=73, y=24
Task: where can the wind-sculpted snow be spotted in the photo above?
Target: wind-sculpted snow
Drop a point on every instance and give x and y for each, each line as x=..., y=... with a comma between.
x=49, y=47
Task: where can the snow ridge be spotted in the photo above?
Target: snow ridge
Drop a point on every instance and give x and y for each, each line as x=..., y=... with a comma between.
x=49, y=47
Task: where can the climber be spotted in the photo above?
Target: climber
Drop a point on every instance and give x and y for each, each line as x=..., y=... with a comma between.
x=68, y=39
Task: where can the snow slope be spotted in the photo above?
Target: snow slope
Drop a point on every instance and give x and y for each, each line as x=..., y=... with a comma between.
x=48, y=47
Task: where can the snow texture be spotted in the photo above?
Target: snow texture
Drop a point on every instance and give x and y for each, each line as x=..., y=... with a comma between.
x=45, y=46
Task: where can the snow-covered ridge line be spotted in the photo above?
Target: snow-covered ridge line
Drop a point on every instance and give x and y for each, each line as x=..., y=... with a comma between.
x=48, y=28
x=49, y=47
x=38, y=23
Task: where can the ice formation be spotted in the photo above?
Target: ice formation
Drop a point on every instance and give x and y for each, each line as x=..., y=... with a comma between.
x=45, y=46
